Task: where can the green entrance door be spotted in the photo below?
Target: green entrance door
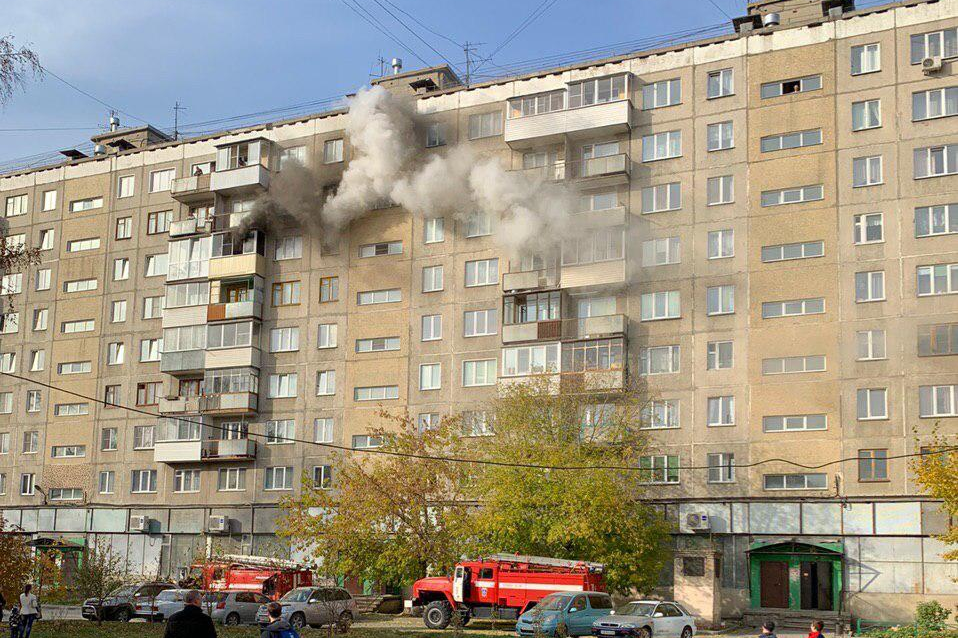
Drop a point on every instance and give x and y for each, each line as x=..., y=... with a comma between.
x=792, y=574
x=774, y=584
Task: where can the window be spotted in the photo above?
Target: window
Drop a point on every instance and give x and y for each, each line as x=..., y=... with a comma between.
x=75, y=367
x=661, y=198
x=659, y=360
x=870, y=286
x=430, y=376
x=11, y=284
x=477, y=423
x=366, y=441
x=153, y=307
x=719, y=355
x=108, y=441
x=478, y=323
x=936, y=220
x=868, y=228
x=327, y=337
x=793, y=307
x=288, y=248
x=721, y=411
x=793, y=195
x=661, y=252
x=934, y=103
x=872, y=404
x=49, y=200
x=81, y=205
x=720, y=300
x=659, y=468
x=381, y=249
x=794, y=365
x=433, y=230
x=231, y=480
x=4, y=443
x=80, y=245
x=46, y=238
x=662, y=93
x=379, y=344
x=6, y=402
x=938, y=340
x=158, y=222
x=607, y=200
x=284, y=339
x=478, y=224
x=866, y=115
x=786, y=87
x=143, y=481
x=872, y=465
x=661, y=305
x=373, y=297
x=328, y=289
x=661, y=414
x=190, y=258
x=720, y=190
x=282, y=385
x=721, y=467
x=935, y=161
x=71, y=327
x=431, y=327
x=124, y=228
x=719, y=136
x=111, y=396
x=485, y=124
x=795, y=481
x=68, y=451
x=866, y=58
x=605, y=244
x=940, y=279
x=27, y=484
x=286, y=293
x=432, y=278
x=435, y=135
x=186, y=481
x=660, y=146
x=190, y=294
x=786, y=252
x=125, y=186
x=161, y=180
x=43, y=279
x=150, y=349
x=376, y=393
x=16, y=205
x=148, y=393
x=106, y=483
x=942, y=43
x=597, y=354
x=426, y=421
x=482, y=272
x=323, y=430
x=721, y=244
x=325, y=383
x=481, y=372
x=526, y=360
x=937, y=400
x=156, y=265
x=788, y=141
x=280, y=432
x=143, y=437
x=323, y=476
x=871, y=344
x=597, y=91
x=37, y=360
x=332, y=151
x=537, y=104
x=8, y=362
x=866, y=171
x=40, y=322
x=10, y=322
x=720, y=84
x=121, y=269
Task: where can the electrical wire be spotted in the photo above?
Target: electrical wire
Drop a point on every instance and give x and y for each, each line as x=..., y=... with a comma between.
x=475, y=461
x=544, y=6
x=417, y=36
x=420, y=23
x=92, y=97
x=371, y=19
x=49, y=128
x=721, y=10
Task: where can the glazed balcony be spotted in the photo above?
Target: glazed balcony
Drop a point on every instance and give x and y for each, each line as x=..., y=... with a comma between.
x=551, y=330
x=530, y=279
x=192, y=189
x=229, y=403
x=609, y=118
x=228, y=450
x=188, y=226
x=187, y=361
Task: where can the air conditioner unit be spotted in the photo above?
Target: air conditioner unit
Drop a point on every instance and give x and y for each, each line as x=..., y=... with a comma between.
x=139, y=523
x=698, y=522
x=931, y=64
x=218, y=525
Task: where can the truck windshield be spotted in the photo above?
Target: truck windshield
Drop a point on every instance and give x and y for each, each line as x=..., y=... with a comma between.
x=637, y=609
x=299, y=595
x=552, y=603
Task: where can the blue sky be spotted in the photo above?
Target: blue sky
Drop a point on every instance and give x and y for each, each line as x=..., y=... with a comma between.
x=221, y=58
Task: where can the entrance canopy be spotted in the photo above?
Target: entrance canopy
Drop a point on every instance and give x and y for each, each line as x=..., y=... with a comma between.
x=795, y=546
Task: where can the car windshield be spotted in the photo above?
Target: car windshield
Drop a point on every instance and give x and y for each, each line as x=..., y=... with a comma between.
x=552, y=603
x=125, y=590
x=300, y=595
x=636, y=609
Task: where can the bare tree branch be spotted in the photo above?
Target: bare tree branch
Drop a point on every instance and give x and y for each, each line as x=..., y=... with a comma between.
x=17, y=65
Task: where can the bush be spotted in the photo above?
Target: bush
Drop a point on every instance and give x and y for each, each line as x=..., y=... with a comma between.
x=931, y=616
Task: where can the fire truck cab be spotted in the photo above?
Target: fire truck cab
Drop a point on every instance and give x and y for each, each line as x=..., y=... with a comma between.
x=500, y=586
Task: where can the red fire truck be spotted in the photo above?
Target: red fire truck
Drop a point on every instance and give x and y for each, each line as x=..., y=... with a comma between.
x=500, y=586
x=268, y=576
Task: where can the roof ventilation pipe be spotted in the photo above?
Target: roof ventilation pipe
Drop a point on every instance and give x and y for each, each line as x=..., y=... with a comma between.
x=397, y=65
x=771, y=20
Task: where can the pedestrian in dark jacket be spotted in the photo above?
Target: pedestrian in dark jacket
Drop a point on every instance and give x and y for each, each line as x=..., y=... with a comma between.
x=278, y=627
x=190, y=622
x=14, y=622
x=3, y=603
x=768, y=630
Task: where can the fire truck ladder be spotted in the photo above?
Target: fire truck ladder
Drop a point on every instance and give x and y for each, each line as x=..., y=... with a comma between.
x=547, y=562
x=259, y=561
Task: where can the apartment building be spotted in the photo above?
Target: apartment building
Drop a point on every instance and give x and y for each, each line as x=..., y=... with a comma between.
x=771, y=247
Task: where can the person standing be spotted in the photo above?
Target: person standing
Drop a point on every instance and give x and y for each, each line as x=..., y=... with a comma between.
x=816, y=629
x=29, y=610
x=768, y=630
x=190, y=622
x=277, y=627
x=3, y=603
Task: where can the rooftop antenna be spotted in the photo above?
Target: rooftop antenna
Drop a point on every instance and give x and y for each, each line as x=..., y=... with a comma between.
x=381, y=61
x=176, y=119
x=469, y=48
x=114, y=121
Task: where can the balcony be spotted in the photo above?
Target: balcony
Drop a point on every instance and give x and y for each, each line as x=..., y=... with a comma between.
x=187, y=227
x=228, y=450
x=585, y=328
x=598, y=172
x=242, y=180
x=242, y=357
x=532, y=331
x=605, y=218
x=530, y=280
x=601, y=273
x=596, y=119
x=195, y=188
x=234, y=310
x=188, y=361
x=176, y=451
x=229, y=403
x=179, y=405
x=237, y=266
x=594, y=381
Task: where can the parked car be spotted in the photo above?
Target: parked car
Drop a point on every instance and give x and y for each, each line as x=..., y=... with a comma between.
x=316, y=607
x=564, y=614
x=126, y=602
x=234, y=607
x=647, y=618
x=168, y=602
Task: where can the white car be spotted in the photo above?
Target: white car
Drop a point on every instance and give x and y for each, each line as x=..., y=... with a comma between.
x=646, y=619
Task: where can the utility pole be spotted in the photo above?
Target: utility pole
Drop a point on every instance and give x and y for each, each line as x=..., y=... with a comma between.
x=382, y=65
x=176, y=119
x=468, y=48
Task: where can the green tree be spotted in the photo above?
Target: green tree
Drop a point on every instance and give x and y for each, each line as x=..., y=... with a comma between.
x=937, y=474
x=99, y=571
x=19, y=561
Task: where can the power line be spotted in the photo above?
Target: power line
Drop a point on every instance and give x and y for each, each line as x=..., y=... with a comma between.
x=544, y=6
x=418, y=37
x=91, y=96
x=474, y=461
x=376, y=24
x=720, y=9
x=50, y=128
x=420, y=23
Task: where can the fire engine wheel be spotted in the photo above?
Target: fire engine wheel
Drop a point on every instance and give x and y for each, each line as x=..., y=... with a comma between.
x=437, y=614
x=297, y=620
x=232, y=620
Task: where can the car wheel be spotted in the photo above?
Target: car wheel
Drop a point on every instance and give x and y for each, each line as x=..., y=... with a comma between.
x=437, y=614
x=297, y=620
x=232, y=620
x=344, y=622
x=645, y=632
x=561, y=631
x=123, y=615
